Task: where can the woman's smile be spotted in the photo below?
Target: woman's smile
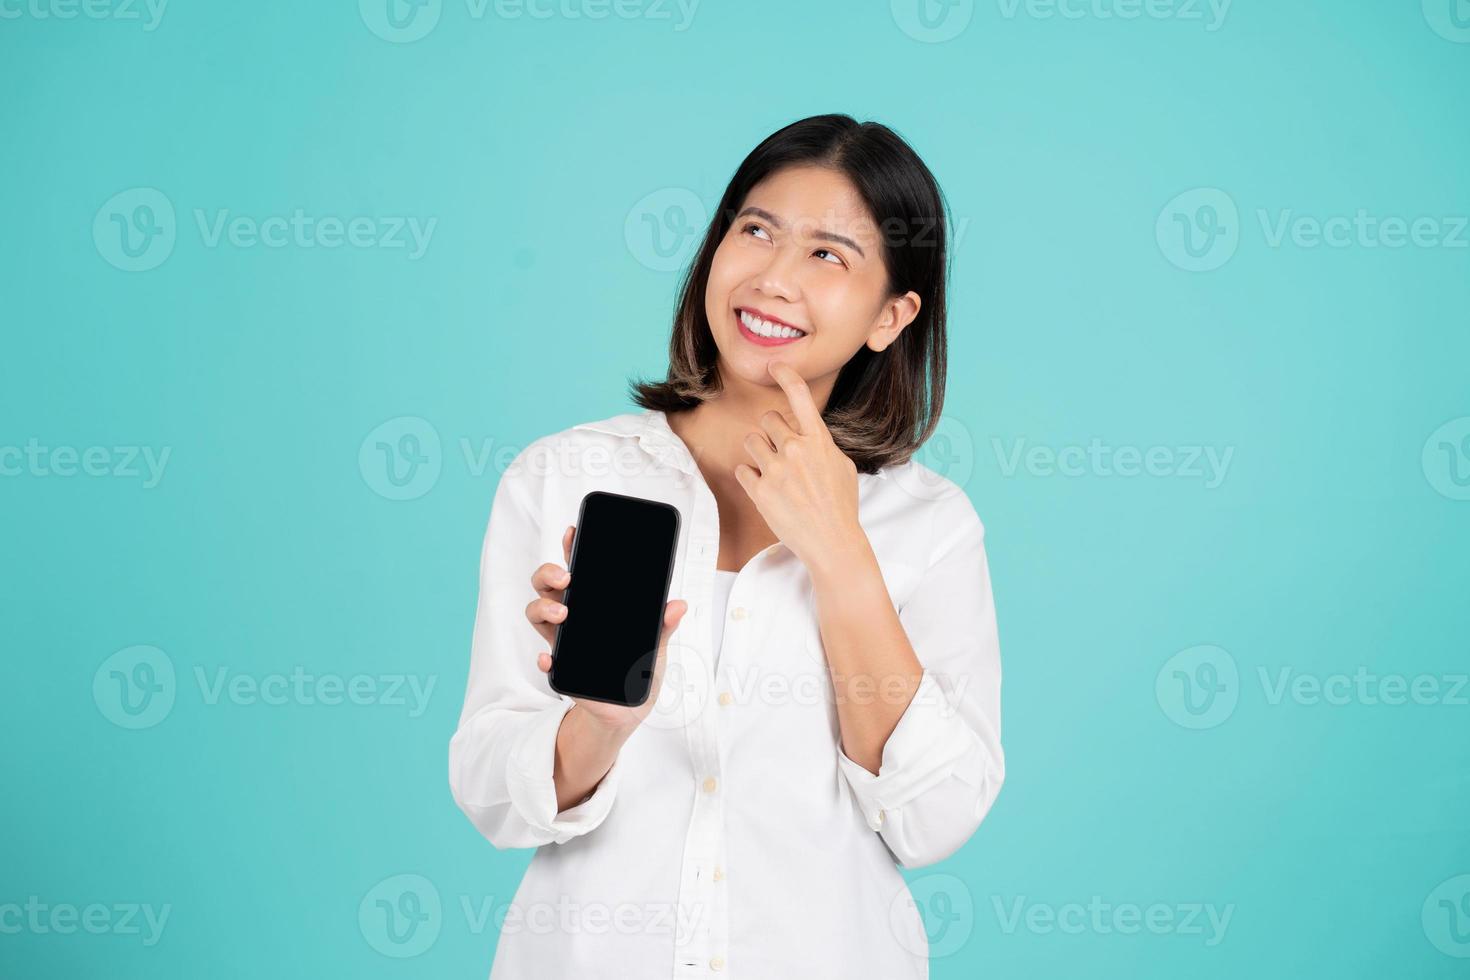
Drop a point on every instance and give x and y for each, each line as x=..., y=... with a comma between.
x=767, y=332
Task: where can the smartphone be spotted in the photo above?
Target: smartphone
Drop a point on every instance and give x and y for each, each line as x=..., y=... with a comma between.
x=621, y=565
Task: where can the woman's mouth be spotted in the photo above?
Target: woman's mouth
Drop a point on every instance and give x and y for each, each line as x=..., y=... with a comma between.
x=765, y=332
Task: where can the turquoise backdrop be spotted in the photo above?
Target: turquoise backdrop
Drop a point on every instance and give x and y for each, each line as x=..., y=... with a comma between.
x=1209, y=390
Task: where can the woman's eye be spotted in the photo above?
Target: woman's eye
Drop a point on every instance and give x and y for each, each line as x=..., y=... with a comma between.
x=836, y=259
x=756, y=228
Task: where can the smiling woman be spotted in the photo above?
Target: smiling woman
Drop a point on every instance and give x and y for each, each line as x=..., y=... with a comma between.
x=764, y=830
x=838, y=230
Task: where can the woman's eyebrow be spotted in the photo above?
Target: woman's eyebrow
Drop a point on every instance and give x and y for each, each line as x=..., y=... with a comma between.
x=825, y=236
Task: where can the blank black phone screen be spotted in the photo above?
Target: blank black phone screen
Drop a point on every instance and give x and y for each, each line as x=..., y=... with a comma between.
x=621, y=563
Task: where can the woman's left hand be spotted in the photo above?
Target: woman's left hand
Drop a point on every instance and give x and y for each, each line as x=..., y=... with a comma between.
x=804, y=486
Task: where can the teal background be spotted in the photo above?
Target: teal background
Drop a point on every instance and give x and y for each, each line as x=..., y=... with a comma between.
x=1336, y=540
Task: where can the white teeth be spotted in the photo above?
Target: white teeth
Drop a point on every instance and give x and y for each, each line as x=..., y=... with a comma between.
x=767, y=329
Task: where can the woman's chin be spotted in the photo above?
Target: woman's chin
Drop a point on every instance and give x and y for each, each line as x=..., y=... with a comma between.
x=752, y=370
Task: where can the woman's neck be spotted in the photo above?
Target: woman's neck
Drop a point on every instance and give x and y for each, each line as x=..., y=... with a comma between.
x=715, y=430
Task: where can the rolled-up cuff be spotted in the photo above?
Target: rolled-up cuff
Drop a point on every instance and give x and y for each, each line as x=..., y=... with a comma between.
x=532, y=787
x=924, y=749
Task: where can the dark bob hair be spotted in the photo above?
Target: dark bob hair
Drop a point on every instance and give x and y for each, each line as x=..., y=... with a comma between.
x=884, y=404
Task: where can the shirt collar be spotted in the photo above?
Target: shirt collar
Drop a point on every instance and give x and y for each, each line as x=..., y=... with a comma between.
x=651, y=428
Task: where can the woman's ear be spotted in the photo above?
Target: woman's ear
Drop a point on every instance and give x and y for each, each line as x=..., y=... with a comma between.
x=897, y=313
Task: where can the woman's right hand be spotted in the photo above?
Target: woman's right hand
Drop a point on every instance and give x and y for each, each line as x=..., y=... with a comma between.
x=546, y=612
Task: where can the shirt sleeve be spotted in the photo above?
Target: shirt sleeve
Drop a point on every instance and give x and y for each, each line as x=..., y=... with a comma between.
x=942, y=766
x=502, y=753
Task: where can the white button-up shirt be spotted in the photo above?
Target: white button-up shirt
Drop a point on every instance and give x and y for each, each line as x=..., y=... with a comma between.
x=732, y=836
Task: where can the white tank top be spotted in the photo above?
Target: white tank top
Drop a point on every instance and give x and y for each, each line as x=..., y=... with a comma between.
x=721, y=598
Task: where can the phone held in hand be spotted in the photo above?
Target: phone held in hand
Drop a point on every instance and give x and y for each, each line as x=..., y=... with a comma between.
x=621, y=565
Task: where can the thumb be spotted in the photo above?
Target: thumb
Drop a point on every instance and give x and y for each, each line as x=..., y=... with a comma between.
x=673, y=615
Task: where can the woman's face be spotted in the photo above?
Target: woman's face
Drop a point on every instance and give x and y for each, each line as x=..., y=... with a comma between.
x=804, y=252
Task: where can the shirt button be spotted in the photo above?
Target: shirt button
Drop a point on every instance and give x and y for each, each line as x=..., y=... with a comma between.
x=719, y=875
x=717, y=963
x=880, y=817
x=709, y=784
x=726, y=697
x=738, y=612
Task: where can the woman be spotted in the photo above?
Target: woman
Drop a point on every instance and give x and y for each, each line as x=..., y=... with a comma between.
x=826, y=699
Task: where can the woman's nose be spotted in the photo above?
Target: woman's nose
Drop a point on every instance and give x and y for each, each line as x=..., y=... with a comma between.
x=779, y=277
